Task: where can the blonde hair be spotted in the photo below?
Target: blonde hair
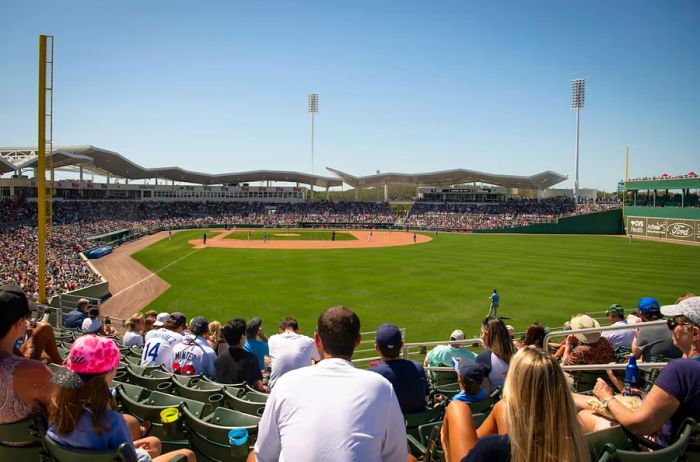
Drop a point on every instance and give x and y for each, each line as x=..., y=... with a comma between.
x=542, y=423
x=215, y=331
x=133, y=321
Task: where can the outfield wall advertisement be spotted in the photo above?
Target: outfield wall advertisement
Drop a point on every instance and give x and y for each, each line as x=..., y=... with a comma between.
x=664, y=228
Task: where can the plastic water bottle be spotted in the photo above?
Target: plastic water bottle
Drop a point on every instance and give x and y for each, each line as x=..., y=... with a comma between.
x=631, y=376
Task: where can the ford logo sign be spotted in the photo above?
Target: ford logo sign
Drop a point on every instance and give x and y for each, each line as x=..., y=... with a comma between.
x=680, y=230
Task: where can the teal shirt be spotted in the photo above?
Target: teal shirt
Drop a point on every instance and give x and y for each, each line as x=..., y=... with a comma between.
x=443, y=354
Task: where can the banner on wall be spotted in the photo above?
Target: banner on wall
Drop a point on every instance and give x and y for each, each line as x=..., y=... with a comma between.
x=664, y=228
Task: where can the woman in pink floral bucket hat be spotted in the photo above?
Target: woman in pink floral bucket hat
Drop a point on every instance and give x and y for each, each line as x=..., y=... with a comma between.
x=82, y=414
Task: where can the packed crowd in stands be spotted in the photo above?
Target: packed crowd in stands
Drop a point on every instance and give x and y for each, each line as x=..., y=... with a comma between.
x=665, y=176
x=318, y=406
x=75, y=221
x=508, y=214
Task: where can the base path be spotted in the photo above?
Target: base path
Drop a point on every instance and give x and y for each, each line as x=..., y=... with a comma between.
x=363, y=241
x=132, y=285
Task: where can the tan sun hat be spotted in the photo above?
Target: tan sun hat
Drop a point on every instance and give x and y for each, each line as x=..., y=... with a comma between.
x=585, y=322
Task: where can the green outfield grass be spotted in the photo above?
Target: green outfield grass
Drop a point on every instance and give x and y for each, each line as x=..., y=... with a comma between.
x=430, y=288
x=292, y=235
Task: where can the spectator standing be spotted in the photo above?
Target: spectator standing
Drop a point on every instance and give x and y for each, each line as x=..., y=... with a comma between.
x=159, y=343
x=653, y=343
x=332, y=410
x=407, y=377
x=259, y=348
x=193, y=355
x=499, y=349
x=25, y=386
x=134, y=326
x=618, y=338
x=236, y=365
x=74, y=318
x=289, y=350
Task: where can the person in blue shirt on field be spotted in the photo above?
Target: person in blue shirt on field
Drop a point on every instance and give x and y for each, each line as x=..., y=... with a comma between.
x=253, y=331
x=470, y=376
x=407, y=377
x=493, y=309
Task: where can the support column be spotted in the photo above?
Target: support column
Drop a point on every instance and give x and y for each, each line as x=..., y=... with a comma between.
x=357, y=194
x=81, y=173
x=386, y=192
x=328, y=194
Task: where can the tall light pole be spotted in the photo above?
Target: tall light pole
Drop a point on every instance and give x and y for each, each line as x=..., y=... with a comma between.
x=578, y=96
x=313, y=109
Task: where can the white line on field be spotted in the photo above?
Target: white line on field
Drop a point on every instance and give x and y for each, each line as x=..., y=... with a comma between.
x=154, y=273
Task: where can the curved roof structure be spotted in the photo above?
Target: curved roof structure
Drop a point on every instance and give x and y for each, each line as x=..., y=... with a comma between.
x=449, y=177
x=103, y=162
x=6, y=166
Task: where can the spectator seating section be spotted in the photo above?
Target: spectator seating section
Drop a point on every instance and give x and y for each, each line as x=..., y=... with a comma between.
x=25, y=433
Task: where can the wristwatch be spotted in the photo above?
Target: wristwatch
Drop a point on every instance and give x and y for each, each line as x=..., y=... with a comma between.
x=606, y=403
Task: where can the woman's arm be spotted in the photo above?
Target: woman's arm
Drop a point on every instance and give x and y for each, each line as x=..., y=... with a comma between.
x=657, y=408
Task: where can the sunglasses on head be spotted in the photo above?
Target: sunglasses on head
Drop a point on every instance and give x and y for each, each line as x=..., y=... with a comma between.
x=677, y=321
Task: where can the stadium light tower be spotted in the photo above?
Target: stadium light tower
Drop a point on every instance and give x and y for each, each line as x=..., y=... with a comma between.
x=578, y=96
x=313, y=109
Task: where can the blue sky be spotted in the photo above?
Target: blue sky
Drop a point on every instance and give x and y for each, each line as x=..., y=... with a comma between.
x=403, y=86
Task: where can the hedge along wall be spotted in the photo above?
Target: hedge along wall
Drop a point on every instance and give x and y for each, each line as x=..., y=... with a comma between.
x=607, y=222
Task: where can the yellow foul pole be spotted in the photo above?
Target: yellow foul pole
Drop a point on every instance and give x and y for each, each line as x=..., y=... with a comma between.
x=41, y=174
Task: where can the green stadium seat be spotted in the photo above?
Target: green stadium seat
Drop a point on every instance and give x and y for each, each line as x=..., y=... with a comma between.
x=209, y=436
x=132, y=360
x=134, y=392
x=448, y=389
x=243, y=405
x=439, y=378
x=135, y=351
x=672, y=453
x=414, y=420
x=199, y=391
x=256, y=396
x=25, y=432
x=156, y=379
x=58, y=453
x=150, y=408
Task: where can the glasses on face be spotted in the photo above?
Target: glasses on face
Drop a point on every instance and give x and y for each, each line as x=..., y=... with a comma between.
x=677, y=321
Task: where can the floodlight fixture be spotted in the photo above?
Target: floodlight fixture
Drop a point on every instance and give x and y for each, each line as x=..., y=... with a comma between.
x=578, y=99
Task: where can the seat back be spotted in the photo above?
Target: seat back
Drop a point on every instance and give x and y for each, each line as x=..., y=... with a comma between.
x=209, y=436
x=243, y=405
x=672, y=453
x=156, y=379
x=59, y=453
x=20, y=440
x=199, y=392
x=256, y=396
x=415, y=419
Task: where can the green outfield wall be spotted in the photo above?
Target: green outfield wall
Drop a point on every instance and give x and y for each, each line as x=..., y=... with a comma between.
x=607, y=222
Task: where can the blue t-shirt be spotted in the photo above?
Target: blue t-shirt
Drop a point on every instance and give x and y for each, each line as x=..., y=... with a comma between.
x=495, y=297
x=259, y=349
x=467, y=398
x=409, y=382
x=84, y=435
x=74, y=319
x=492, y=448
x=681, y=379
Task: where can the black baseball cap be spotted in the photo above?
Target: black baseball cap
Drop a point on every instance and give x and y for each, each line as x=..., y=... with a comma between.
x=388, y=336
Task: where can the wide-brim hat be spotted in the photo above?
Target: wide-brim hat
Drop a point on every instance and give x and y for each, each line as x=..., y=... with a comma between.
x=585, y=322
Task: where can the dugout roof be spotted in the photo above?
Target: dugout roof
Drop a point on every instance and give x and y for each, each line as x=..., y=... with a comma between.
x=103, y=162
x=451, y=177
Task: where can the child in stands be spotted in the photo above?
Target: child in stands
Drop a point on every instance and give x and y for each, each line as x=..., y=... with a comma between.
x=82, y=414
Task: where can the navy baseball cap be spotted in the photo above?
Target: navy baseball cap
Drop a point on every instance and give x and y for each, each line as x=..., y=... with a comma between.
x=13, y=303
x=648, y=305
x=388, y=336
x=179, y=318
x=470, y=371
x=199, y=325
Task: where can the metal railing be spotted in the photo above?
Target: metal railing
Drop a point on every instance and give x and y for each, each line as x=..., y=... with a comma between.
x=641, y=325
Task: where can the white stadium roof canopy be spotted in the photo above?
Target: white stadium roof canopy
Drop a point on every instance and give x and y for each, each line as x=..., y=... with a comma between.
x=104, y=162
x=451, y=177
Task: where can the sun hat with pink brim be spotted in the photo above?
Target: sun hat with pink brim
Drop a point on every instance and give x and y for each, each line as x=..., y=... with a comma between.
x=90, y=355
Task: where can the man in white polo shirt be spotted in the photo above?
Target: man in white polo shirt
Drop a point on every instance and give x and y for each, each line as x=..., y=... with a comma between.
x=332, y=411
x=289, y=350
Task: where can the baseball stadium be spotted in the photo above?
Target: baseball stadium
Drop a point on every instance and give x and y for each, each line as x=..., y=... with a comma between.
x=160, y=313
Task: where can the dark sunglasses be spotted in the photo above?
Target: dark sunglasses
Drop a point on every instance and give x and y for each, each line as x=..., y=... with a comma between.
x=677, y=321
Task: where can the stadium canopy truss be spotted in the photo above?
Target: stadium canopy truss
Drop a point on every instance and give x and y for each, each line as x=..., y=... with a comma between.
x=539, y=181
x=112, y=164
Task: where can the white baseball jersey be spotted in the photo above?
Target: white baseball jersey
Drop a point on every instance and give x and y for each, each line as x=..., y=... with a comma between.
x=192, y=356
x=159, y=347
